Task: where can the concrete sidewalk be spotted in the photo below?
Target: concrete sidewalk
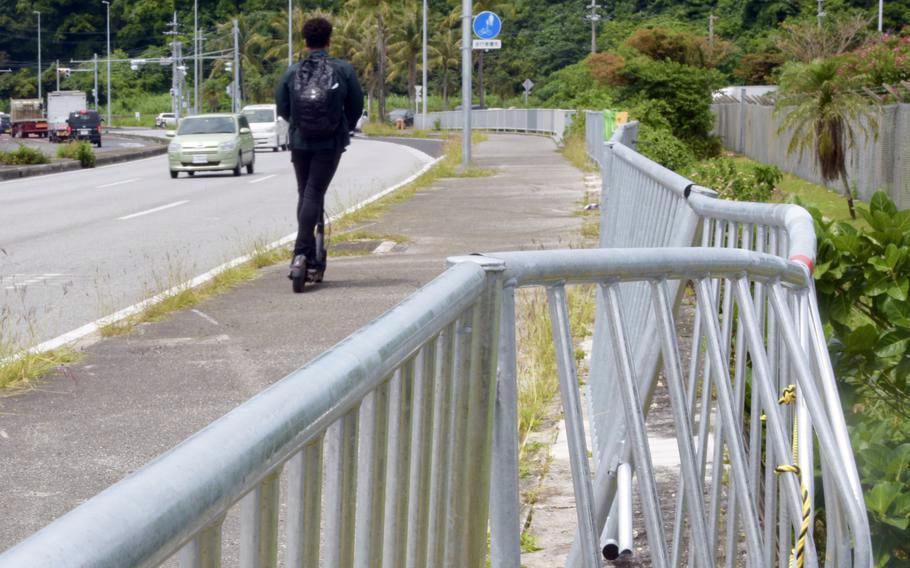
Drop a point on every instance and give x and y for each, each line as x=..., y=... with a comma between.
x=137, y=396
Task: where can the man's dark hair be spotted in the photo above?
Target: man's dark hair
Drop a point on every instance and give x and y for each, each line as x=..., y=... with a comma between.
x=317, y=32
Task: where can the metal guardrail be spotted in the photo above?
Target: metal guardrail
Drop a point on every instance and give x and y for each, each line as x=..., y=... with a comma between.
x=400, y=444
x=553, y=122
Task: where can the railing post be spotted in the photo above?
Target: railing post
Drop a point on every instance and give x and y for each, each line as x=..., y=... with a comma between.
x=259, y=524
x=204, y=551
x=505, y=500
x=481, y=406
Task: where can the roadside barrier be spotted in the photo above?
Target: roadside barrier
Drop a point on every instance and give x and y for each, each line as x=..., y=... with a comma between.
x=399, y=445
x=553, y=122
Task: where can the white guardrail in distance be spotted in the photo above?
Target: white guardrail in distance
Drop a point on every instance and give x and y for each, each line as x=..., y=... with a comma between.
x=553, y=122
x=400, y=445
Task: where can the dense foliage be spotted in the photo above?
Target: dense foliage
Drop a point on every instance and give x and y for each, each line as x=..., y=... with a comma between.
x=23, y=156
x=863, y=285
x=752, y=183
x=80, y=151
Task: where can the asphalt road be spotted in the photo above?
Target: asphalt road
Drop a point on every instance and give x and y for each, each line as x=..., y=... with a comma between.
x=108, y=143
x=80, y=245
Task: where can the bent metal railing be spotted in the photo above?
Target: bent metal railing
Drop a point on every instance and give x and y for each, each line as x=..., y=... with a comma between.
x=399, y=446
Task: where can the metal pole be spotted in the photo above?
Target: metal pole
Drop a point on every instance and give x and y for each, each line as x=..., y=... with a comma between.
x=197, y=63
x=39, y=52
x=95, y=92
x=881, y=13
x=820, y=13
x=108, y=4
x=290, y=32
x=57, y=73
x=425, y=11
x=236, y=67
x=711, y=19
x=466, y=89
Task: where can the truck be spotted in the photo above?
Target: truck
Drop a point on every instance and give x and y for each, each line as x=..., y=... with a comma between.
x=27, y=118
x=60, y=104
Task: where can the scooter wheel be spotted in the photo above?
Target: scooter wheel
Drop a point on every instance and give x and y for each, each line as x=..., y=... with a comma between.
x=298, y=280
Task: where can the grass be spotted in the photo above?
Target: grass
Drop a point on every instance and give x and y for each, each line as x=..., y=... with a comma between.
x=23, y=368
x=575, y=150
x=20, y=367
x=830, y=203
x=386, y=129
x=528, y=542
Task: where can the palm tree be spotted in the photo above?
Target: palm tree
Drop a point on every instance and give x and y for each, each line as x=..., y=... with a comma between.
x=825, y=111
x=445, y=53
x=405, y=45
x=380, y=11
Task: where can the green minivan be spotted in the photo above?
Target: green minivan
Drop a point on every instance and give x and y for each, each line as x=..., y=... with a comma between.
x=212, y=142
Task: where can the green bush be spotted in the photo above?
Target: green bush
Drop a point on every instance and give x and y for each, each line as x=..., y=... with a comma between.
x=862, y=281
x=81, y=151
x=23, y=156
x=685, y=89
x=667, y=150
x=751, y=183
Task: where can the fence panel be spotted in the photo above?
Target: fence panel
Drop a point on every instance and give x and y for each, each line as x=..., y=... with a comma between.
x=879, y=161
x=553, y=122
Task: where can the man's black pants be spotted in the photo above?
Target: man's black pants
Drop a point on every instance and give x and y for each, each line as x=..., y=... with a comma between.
x=314, y=170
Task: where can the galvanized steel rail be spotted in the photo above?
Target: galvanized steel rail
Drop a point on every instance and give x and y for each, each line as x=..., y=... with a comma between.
x=553, y=122
x=399, y=446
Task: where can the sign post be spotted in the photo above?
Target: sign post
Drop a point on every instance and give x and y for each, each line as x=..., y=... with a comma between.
x=528, y=85
x=466, y=64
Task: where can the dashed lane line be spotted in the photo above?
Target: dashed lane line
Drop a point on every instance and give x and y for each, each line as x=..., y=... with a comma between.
x=116, y=183
x=153, y=210
x=262, y=179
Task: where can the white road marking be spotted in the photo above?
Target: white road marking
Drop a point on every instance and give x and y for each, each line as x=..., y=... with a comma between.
x=154, y=210
x=25, y=280
x=116, y=183
x=263, y=179
x=384, y=247
x=206, y=317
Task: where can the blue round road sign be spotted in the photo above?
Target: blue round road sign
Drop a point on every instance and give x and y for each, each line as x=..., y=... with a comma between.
x=487, y=25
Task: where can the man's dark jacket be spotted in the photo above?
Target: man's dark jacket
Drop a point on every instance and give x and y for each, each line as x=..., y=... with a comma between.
x=351, y=94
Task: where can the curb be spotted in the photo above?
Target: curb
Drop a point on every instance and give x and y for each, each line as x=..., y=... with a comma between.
x=115, y=157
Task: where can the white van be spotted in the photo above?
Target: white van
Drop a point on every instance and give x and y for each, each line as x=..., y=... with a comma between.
x=269, y=129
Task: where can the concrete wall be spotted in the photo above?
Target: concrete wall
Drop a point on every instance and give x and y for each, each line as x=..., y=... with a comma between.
x=874, y=163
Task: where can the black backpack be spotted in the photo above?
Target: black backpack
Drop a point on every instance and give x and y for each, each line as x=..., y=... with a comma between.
x=317, y=99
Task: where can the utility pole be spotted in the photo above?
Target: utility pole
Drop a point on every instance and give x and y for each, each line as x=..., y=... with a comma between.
x=466, y=90
x=290, y=32
x=39, y=52
x=881, y=14
x=711, y=20
x=57, y=73
x=821, y=13
x=95, y=91
x=175, y=91
x=109, y=100
x=424, y=90
x=236, y=67
x=197, y=63
x=594, y=17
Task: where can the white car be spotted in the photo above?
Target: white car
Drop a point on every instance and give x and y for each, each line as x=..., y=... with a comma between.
x=269, y=129
x=165, y=119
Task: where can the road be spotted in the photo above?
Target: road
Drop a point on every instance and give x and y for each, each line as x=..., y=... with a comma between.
x=80, y=245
